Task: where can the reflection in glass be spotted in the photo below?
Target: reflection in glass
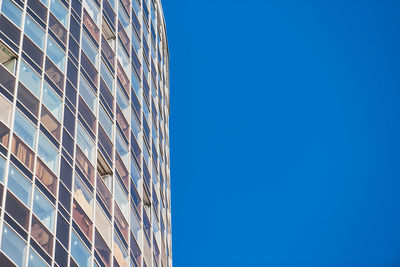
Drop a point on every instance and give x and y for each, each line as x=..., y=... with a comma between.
x=34, y=31
x=19, y=185
x=79, y=252
x=13, y=246
x=52, y=101
x=55, y=53
x=9, y=9
x=48, y=153
x=30, y=78
x=59, y=11
x=43, y=209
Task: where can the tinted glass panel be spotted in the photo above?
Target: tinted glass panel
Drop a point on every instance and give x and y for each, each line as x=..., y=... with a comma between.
x=13, y=12
x=25, y=129
x=13, y=246
x=30, y=78
x=55, y=53
x=48, y=154
x=34, y=31
x=59, y=11
x=43, y=209
x=52, y=101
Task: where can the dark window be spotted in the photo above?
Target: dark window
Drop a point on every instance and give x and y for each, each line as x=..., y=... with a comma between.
x=62, y=230
x=66, y=173
x=58, y=29
x=61, y=256
x=68, y=143
x=33, y=51
x=72, y=73
x=17, y=210
x=64, y=197
x=74, y=48
x=69, y=121
x=38, y=8
x=75, y=28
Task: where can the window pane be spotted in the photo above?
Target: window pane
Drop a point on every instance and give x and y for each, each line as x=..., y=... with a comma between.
x=90, y=50
x=107, y=77
x=122, y=150
x=2, y=166
x=121, y=199
x=79, y=252
x=85, y=143
x=13, y=246
x=48, y=153
x=106, y=122
x=55, y=53
x=25, y=129
x=34, y=260
x=103, y=225
x=9, y=9
x=30, y=78
x=122, y=102
x=59, y=11
x=87, y=94
x=93, y=10
x=43, y=209
x=83, y=197
x=52, y=101
x=5, y=111
x=34, y=31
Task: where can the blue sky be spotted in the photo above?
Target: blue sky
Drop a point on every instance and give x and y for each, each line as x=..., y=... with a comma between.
x=285, y=132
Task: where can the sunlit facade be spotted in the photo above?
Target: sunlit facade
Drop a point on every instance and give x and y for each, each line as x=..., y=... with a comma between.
x=84, y=134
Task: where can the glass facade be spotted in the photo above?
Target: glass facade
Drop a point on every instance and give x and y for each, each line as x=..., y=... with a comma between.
x=84, y=134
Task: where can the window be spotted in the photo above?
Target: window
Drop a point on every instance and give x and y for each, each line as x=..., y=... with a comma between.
x=106, y=122
x=135, y=226
x=30, y=78
x=90, y=50
x=85, y=143
x=107, y=77
x=43, y=209
x=13, y=12
x=48, y=153
x=34, y=259
x=123, y=18
x=122, y=102
x=83, y=197
x=25, y=129
x=59, y=11
x=103, y=225
x=123, y=58
x=135, y=125
x=35, y=32
x=52, y=101
x=121, y=199
x=87, y=94
x=55, y=53
x=79, y=251
x=122, y=150
x=13, y=246
x=135, y=174
x=93, y=10
x=7, y=58
x=5, y=111
x=120, y=253
x=2, y=166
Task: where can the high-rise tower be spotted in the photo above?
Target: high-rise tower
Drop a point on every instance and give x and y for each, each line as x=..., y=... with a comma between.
x=84, y=134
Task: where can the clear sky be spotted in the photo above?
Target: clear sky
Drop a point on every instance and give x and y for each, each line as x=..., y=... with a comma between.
x=285, y=132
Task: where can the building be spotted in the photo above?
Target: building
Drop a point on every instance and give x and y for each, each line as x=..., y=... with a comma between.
x=84, y=133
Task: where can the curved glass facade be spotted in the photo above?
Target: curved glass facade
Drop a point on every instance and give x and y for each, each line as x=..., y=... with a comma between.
x=84, y=134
